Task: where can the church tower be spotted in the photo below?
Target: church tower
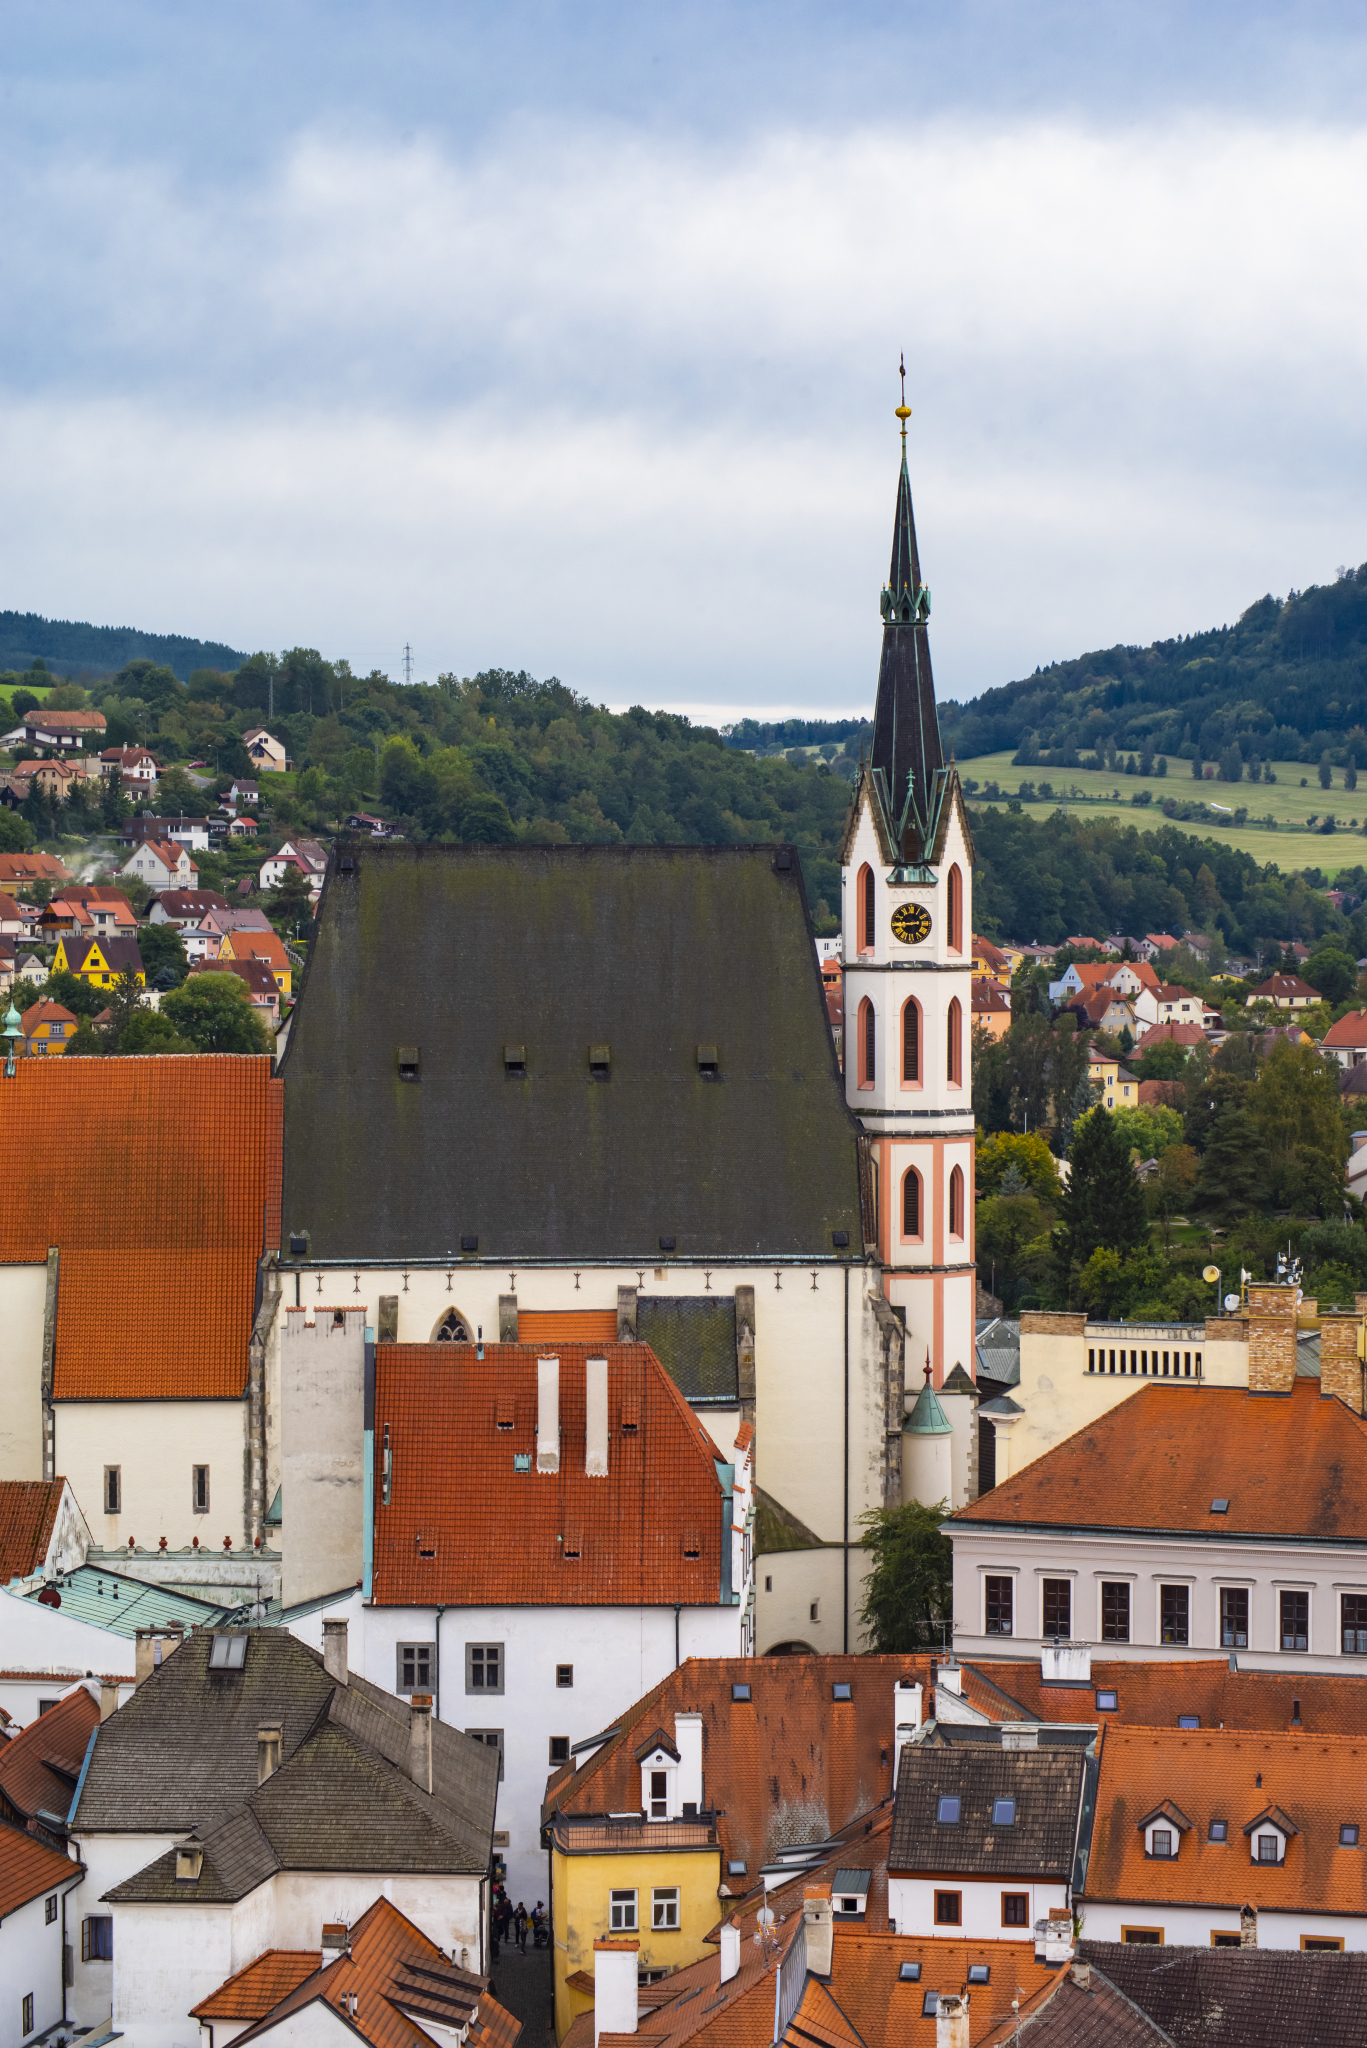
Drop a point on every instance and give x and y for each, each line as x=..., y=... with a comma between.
x=906, y=909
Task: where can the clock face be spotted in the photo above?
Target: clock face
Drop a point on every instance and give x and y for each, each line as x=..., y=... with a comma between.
x=911, y=923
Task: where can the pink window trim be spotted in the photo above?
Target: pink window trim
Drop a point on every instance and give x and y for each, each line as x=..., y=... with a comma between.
x=863, y=1019
x=912, y=1008
x=916, y=1236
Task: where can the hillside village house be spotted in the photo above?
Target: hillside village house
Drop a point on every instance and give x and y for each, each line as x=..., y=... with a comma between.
x=266, y=754
x=19, y=871
x=1346, y=1041
x=204, y=937
x=305, y=856
x=184, y=907
x=42, y=728
x=250, y=1792
x=1284, y=992
x=161, y=864
x=241, y=943
x=1117, y=1087
x=262, y=990
x=40, y=1896
x=1190, y=1519
x=136, y=769
x=99, y=961
x=88, y=910
x=47, y=1028
x=991, y=1010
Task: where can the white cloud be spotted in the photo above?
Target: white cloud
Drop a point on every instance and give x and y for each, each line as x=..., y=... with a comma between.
x=621, y=410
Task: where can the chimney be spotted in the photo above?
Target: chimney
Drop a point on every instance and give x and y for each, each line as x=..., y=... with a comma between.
x=615, y=2002
x=420, y=1740
x=818, y=1922
x=1082, y=1976
x=1340, y=1366
x=951, y=2020
x=548, y=1414
x=151, y=1647
x=1065, y=1664
x=730, y=1949
x=1020, y=1734
x=1248, y=1927
x=1271, y=1338
x=688, y=1742
x=267, y=1751
x=334, y=1648
x=906, y=1719
x=596, y=1417
x=951, y=1676
x=336, y=1940
x=109, y=1697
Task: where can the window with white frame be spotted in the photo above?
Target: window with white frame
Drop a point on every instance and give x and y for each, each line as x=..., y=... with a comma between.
x=622, y=1912
x=664, y=1908
x=657, y=1785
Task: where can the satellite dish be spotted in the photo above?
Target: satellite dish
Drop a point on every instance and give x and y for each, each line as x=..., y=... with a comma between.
x=1231, y=1301
x=1210, y=1273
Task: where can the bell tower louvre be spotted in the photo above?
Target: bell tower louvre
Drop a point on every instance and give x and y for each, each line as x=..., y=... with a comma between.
x=906, y=911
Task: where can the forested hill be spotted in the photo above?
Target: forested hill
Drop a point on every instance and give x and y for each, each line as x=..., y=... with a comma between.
x=1287, y=682
x=75, y=648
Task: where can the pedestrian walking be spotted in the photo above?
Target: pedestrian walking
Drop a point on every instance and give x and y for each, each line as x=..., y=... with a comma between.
x=520, y=1926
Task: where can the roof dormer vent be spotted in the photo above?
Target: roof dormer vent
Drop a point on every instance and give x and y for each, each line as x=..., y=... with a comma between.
x=515, y=1062
x=409, y=1061
x=600, y=1063
x=708, y=1064
x=189, y=1863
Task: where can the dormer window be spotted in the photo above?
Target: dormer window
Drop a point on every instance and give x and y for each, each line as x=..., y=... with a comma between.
x=1163, y=1831
x=1160, y=1842
x=1267, y=1848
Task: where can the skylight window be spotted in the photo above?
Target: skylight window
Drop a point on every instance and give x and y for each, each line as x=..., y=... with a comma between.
x=980, y=1973
x=1219, y=1507
x=1003, y=1816
x=1188, y=1720
x=930, y=2005
x=1219, y=1831
x=740, y=1692
x=1348, y=1834
x=227, y=1653
x=948, y=1810
x=1107, y=1702
x=910, y=1973
x=842, y=1692
x=735, y=1870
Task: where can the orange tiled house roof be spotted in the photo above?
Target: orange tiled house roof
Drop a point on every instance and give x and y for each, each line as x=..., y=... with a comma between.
x=159, y=1225
x=28, y=1510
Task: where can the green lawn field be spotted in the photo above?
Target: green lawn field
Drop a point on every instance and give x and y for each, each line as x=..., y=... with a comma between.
x=1292, y=843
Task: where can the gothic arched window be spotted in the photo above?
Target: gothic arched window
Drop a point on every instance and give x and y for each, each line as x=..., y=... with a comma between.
x=954, y=1057
x=911, y=1040
x=956, y=911
x=911, y=1203
x=868, y=910
x=956, y=1202
x=868, y=1044
x=452, y=1329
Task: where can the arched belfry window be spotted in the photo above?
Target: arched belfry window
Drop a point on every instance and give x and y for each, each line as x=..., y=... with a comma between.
x=452, y=1329
x=956, y=1202
x=868, y=911
x=954, y=1054
x=956, y=911
x=911, y=1203
x=868, y=1044
x=911, y=1040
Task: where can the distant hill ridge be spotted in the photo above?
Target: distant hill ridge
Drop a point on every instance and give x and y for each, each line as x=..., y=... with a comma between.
x=74, y=645
x=1288, y=682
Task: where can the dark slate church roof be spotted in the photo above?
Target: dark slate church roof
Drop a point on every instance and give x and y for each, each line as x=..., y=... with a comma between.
x=654, y=952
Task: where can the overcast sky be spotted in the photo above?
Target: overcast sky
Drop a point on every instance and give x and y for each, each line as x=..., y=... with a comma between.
x=565, y=337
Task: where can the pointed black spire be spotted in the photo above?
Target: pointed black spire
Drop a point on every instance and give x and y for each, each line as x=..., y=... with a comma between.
x=906, y=756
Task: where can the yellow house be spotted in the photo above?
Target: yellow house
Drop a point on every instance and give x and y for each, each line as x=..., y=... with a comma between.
x=253, y=945
x=653, y=1882
x=1119, y=1087
x=995, y=963
x=99, y=961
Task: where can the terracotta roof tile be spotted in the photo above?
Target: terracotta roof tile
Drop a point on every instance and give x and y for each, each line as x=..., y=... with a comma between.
x=28, y=1868
x=258, y=1989
x=1212, y=1774
x=152, y=1175
x=435, y=1542
x=39, y=1766
x=1290, y=1465
x=1154, y=1695
x=28, y=1510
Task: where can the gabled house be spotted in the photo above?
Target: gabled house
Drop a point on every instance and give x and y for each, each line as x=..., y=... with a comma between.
x=185, y=908
x=988, y=1840
x=1118, y=1087
x=991, y=1009
x=990, y=963
x=242, y=790
x=48, y=1028
x=260, y=983
x=1177, y=1005
x=36, y=1909
x=366, y=1982
x=250, y=943
x=99, y=961
x=1183, y=1034
x=250, y=1791
x=135, y=767
x=1285, y=992
x=161, y=864
x=63, y=728
x=42, y=1529
x=1105, y=1009
x=367, y=822
x=204, y=938
x=40, y=1766
x=1346, y=1041
x=305, y=856
x=19, y=871
x=1193, y=1832
x=266, y=754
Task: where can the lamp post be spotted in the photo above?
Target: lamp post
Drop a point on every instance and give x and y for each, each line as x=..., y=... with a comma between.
x=13, y=1029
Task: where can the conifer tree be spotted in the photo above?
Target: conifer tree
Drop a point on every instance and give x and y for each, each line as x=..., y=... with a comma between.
x=1103, y=1204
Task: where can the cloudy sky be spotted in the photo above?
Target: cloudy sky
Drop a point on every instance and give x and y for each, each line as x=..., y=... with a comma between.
x=564, y=336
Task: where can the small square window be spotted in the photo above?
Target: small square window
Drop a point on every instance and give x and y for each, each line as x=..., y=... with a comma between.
x=415, y=1667
x=1188, y=1720
x=560, y=1749
x=1003, y=1813
x=841, y=1692
x=1348, y=1835
x=948, y=1909
x=740, y=1692
x=980, y=1973
x=735, y=1870
x=930, y=2004
x=1219, y=1831
x=1107, y=1702
x=1161, y=1839
x=564, y=1675
x=909, y=1973
x=1268, y=1849
x=1015, y=1909
x=947, y=1810
x=228, y=1653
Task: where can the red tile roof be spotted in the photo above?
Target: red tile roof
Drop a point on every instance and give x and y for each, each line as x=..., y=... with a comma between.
x=45, y=1012
x=1173, y=992
x=1280, y=986
x=1213, y=1774
x=31, y=867
x=151, y=1177
x=65, y=721
x=40, y=1766
x=567, y=1326
x=1153, y=1694
x=1174, y=1034
x=28, y=1512
x=28, y=1868
x=1350, y=1030
x=512, y=1529
x=397, y=1979
x=1289, y=1465
x=258, y=1989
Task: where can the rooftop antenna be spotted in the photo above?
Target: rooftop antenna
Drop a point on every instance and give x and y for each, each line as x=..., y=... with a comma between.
x=407, y=662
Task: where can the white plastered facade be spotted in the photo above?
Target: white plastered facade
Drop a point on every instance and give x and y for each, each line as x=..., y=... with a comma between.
x=156, y=1446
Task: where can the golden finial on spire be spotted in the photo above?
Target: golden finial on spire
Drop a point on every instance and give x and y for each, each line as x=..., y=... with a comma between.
x=903, y=410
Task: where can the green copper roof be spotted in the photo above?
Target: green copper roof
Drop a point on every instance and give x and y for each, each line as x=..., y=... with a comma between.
x=928, y=1418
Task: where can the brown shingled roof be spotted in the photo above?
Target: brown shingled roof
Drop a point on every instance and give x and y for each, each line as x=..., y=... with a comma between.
x=1295, y=1465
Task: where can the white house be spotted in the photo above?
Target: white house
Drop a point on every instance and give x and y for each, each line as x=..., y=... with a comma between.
x=161, y=864
x=249, y=1792
x=266, y=754
x=305, y=855
x=204, y=938
x=37, y=1883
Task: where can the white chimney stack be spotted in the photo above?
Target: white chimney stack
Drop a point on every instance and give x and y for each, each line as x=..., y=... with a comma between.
x=951, y=2021
x=819, y=1926
x=548, y=1414
x=420, y=1740
x=906, y=1720
x=615, y=2002
x=596, y=1417
x=688, y=1742
x=334, y=1648
x=730, y=1949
